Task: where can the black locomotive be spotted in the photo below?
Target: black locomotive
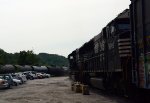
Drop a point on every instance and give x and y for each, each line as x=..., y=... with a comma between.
x=105, y=61
x=118, y=58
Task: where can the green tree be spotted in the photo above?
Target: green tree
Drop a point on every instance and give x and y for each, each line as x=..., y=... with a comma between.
x=3, y=57
x=27, y=58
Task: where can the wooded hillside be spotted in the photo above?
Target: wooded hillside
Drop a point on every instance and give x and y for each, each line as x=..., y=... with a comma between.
x=29, y=58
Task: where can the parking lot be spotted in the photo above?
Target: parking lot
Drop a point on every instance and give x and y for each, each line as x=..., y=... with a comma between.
x=52, y=90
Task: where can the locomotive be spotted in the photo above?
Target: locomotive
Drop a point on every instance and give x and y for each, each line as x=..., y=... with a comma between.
x=105, y=61
x=118, y=58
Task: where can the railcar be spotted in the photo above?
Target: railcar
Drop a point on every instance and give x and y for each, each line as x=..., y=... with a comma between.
x=140, y=25
x=40, y=69
x=7, y=69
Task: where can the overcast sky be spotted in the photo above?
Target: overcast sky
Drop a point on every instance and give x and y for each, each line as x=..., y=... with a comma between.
x=54, y=26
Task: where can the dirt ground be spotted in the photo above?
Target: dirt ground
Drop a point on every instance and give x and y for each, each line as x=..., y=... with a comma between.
x=53, y=90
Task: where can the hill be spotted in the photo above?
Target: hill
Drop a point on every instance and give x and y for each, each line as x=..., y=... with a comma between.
x=52, y=59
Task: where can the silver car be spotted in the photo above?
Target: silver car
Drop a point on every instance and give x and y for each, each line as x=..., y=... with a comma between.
x=17, y=81
x=21, y=77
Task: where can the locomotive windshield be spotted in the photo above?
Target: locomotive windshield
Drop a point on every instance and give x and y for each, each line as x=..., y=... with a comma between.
x=124, y=26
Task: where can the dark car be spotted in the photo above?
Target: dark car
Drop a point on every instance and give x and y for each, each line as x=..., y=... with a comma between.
x=3, y=83
x=8, y=78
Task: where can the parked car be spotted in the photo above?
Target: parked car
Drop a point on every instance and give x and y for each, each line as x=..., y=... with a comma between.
x=40, y=75
x=33, y=74
x=8, y=78
x=45, y=75
x=16, y=81
x=30, y=75
x=3, y=83
x=21, y=77
x=48, y=75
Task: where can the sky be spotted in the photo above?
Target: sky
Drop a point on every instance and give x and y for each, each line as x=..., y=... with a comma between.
x=54, y=26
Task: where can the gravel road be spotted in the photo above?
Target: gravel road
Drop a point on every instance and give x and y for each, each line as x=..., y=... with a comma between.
x=52, y=90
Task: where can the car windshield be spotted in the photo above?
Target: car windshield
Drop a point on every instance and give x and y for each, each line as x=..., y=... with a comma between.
x=1, y=77
x=7, y=77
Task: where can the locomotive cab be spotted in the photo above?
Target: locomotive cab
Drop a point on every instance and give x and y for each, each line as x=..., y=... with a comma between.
x=119, y=52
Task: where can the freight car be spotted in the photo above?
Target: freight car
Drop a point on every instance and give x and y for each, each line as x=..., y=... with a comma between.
x=105, y=61
x=7, y=69
x=54, y=71
x=140, y=21
x=40, y=69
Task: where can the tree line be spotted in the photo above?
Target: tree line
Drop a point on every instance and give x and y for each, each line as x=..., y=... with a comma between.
x=30, y=58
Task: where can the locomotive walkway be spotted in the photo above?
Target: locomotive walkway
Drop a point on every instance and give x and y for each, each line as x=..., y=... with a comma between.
x=53, y=90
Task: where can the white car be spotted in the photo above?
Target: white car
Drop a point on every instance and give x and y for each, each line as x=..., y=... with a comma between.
x=46, y=75
x=16, y=82
x=32, y=74
x=22, y=77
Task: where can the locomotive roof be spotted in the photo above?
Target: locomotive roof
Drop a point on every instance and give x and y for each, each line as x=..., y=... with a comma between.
x=87, y=44
x=123, y=15
x=97, y=37
x=73, y=53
